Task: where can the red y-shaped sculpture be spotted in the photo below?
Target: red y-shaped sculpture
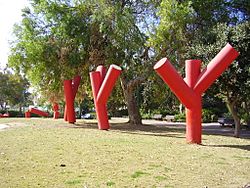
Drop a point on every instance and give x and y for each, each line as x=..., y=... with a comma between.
x=190, y=90
x=70, y=90
x=102, y=86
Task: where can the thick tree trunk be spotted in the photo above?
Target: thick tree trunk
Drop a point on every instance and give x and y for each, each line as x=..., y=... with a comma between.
x=133, y=110
x=231, y=108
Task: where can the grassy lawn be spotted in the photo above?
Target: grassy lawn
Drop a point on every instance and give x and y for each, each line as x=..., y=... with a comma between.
x=51, y=153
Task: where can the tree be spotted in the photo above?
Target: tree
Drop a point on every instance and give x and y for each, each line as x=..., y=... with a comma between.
x=169, y=36
x=233, y=86
x=50, y=46
x=214, y=24
x=77, y=36
x=124, y=45
x=4, y=90
x=14, y=90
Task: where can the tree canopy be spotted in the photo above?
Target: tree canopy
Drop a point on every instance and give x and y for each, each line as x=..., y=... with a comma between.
x=14, y=90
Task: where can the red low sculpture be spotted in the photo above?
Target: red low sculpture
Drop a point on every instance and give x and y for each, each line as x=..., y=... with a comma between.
x=189, y=91
x=38, y=112
x=102, y=86
x=4, y=115
x=70, y=90
x=56, y=111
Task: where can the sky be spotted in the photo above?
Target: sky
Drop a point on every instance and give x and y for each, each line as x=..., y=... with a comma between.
x=10, y=13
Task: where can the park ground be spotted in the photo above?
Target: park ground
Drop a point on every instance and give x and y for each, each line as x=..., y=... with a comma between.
x=41, y=152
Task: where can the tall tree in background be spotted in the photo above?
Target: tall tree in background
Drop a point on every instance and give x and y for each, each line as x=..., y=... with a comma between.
x=125, y=46
x=169, y=36
x=233, y=86
x=50, y=46
x=216, y=24
x=14, y=91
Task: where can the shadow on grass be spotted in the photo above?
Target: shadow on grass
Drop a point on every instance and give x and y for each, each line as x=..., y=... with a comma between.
x=149, y=129
x=167, y=129
x=243, y=147
x=224, y=131
x=175, y=131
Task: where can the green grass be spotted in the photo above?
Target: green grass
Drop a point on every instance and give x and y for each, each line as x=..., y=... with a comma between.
x=110, y=183
x=51, y=153
x=138, y=174
x=73, y=182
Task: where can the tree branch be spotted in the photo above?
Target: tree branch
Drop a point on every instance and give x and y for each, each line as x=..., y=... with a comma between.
x=133, y=83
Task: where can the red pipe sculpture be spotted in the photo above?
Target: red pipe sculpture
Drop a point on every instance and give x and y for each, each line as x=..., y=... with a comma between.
x=38, y=112
x=68, y=93
x=70, y=90
x=56, y=111
x=102, y=85
x=27, y=114
x=189, y=90
x=4, y=115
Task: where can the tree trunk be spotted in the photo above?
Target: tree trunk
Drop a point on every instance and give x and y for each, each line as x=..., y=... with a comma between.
x=231, y=108
x=5, y=106
x=133, y=110
x=20, y=108
x=181, y=109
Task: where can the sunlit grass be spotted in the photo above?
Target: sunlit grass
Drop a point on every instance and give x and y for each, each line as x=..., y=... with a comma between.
x=51, y=153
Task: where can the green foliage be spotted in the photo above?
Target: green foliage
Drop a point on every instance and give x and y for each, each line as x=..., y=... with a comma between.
x=146, y=115
x=48, y=47
x=246, y=118
x=169, y=36
x=180, y=117
x=208, y=116
x=233, y=85
x=14, y=90
x=116, y=103
x=13, y=113
x=157, y=98
x=86, y=105
x=213, y=103
x=227, y=115
x=58, y=39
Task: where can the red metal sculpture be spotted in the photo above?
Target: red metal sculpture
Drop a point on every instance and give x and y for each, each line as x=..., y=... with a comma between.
x=70, y=90
x=4, y=115
x=56, y=110
x=37, y=112
x=27, y=114
x=102, y=85
x=189, y=90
